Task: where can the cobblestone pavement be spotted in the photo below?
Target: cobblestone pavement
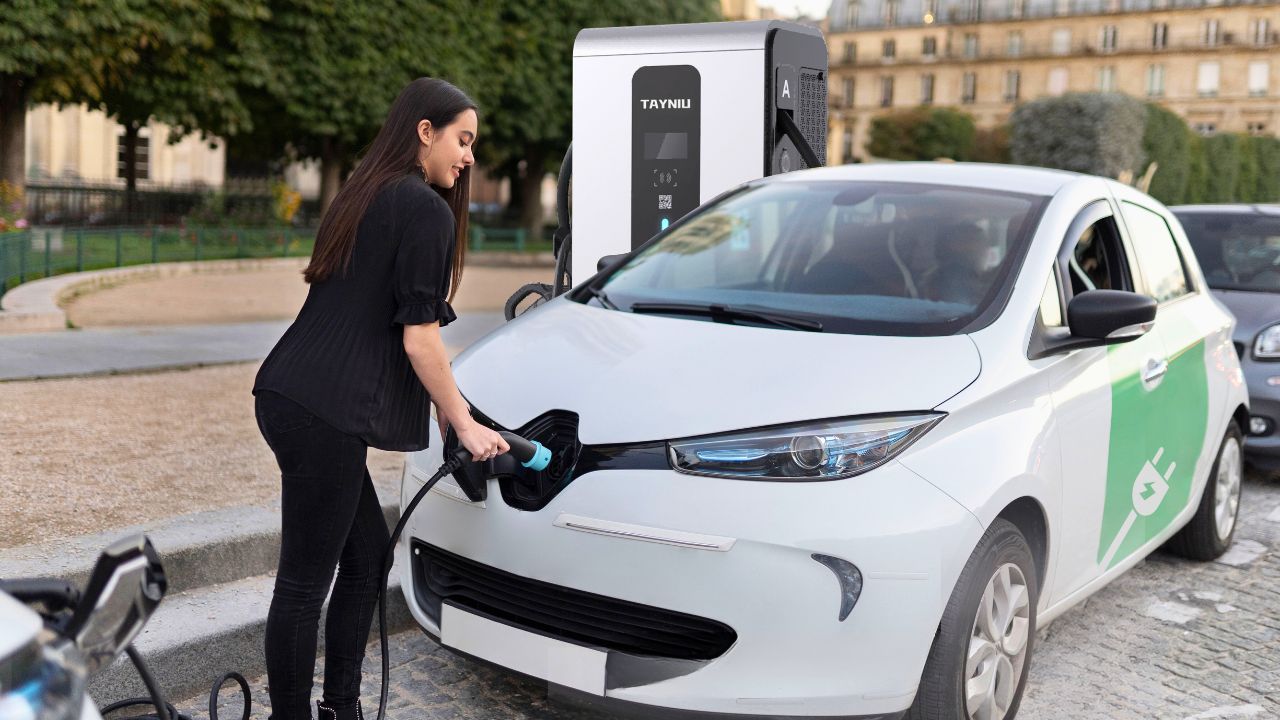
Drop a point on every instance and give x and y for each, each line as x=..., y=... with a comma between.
x=1169, y=639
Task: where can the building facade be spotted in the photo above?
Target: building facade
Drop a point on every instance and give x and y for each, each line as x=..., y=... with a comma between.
x=1213, y=63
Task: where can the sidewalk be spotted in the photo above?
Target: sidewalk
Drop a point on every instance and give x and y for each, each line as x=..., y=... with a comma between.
x=106, y=351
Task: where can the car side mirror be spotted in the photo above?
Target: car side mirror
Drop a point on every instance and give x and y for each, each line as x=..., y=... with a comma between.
x=1094, y=319
x=1113, y=316
x=126, y=585
x=608, y=260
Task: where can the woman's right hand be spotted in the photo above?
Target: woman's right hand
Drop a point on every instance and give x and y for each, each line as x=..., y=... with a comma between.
x=483, y=443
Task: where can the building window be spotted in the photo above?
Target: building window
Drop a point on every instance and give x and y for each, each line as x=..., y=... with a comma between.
x=1204, y=128
x=1256, y=128
x=969, y=93
x=1259, y=70
x=1058, y=81
x=1015, y=44
x=886, y=91
x=1207, y=75
x=971, y=45
x=1107, y=39
x=930, y=47
x=1012, y=85
x=1155, y=80
x=889, y=49
x=851, y=12
x=141, y=156
x=890, y=10
x=1159, y=36
x=1061, y=41
x=926, y=89
x=850, y=52
x=846, y=155
x=1017, y=8
x=1107, y=79
x=1210, y=33
x=1259, y=30
x=847, y=99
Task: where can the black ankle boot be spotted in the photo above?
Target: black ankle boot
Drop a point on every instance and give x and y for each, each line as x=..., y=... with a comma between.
x=324, y=712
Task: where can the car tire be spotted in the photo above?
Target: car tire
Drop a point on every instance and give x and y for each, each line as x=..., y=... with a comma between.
x=1211, y=530
x=1000, y=574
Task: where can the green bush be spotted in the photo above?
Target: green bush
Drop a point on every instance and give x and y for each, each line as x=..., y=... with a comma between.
x=1266, y=150
x=1095, y=133
x=1222, y=166
x=923, y=133
x=991, y=145
x=1167, y=141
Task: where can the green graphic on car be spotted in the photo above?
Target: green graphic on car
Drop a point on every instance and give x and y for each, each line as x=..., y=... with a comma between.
x=1156, y=438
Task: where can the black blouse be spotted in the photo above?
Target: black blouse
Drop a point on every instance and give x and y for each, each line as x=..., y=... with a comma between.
x=343, y=357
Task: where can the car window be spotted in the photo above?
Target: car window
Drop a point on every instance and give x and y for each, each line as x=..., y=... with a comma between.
x=1236, y=251
x=1159, y=261
x=1097, y=260
x=882, y=258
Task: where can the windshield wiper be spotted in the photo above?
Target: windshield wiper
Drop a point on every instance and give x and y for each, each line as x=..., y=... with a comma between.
x=598, y=294
x=728, y=313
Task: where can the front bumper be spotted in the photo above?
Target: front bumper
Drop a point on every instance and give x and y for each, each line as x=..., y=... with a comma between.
x=736, y=553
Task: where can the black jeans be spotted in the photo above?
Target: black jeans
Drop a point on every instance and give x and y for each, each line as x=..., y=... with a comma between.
x=330, y=517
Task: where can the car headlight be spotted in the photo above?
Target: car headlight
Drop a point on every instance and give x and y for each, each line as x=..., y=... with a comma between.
x=1267, y=346
x=43, y=681
x=827, y=450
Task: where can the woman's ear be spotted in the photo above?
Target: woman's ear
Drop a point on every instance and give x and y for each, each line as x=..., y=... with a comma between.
x=425, y=131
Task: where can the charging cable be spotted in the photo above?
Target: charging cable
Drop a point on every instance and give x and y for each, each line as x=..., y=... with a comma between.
x=530, y=453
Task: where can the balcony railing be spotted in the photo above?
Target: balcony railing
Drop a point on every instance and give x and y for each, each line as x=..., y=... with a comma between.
x=1075, y=49
x=1001, y=11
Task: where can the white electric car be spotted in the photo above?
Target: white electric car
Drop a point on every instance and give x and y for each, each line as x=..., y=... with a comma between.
x=835, y=444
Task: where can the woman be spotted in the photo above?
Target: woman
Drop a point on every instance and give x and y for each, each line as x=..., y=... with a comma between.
x=356, y=370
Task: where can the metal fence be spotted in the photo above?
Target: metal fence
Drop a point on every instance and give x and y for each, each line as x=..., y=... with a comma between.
x=99, y=204
x=45, y=251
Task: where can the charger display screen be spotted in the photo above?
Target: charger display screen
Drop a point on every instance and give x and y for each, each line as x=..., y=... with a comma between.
x=666, y=146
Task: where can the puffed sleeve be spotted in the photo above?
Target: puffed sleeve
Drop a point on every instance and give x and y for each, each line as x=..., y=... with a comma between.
x=424, y=260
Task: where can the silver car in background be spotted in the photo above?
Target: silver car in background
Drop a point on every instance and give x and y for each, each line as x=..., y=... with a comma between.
x=1238, y=247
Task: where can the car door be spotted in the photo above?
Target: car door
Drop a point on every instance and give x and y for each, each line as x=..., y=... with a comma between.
x=1193, y=329
x=1096, y=394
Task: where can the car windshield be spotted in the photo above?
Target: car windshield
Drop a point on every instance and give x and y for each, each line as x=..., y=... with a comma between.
x=878, y=258
x=1237, y=251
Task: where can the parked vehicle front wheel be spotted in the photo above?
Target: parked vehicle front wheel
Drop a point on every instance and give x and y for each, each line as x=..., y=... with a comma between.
x=1213, y=527
x=977, y=667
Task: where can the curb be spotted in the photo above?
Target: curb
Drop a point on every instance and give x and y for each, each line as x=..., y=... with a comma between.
x=198, y=549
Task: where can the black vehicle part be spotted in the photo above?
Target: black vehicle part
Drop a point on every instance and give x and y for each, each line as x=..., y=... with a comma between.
x=564, y=612
x=561, y=246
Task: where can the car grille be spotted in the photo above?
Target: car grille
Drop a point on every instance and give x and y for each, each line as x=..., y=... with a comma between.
x=563, y=612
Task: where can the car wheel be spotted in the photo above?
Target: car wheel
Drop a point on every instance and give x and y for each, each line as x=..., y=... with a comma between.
x=978, y=664
x=1212, y=528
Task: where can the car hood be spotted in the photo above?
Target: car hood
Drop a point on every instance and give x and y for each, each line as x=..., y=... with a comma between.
x=1253, y=310
x=18, y=625
x=638, y=378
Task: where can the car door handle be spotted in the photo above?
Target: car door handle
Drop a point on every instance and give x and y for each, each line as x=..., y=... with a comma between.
x=1154, y=372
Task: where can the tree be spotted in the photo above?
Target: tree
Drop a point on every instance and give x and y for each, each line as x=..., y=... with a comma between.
x=55, y=48
x=923, y=133
x=526, y=105
x=332, y=70
x=1095, y=133
x=191, y=56
x=1167, y=141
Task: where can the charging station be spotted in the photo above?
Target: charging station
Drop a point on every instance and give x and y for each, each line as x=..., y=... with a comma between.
x=666, y=117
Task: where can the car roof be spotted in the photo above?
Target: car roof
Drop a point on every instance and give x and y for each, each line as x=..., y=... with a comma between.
x=1228, y=209
x=1014, y=178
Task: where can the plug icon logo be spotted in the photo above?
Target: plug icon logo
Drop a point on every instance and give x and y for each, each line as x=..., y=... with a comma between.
x=1150, y=487
x=1149, y=490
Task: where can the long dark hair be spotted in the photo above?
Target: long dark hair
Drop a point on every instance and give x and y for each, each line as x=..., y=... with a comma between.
x=393, y=153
